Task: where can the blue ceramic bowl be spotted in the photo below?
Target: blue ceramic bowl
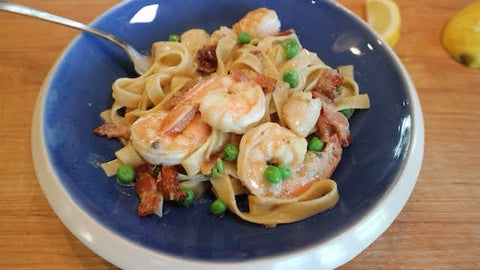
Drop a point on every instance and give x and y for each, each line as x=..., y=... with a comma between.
x=375, y=177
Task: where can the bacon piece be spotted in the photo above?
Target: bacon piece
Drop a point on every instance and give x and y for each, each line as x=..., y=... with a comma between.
x=113, y=131
x=179, y=95
x=336, y=149
x=167, y=184
x=329, y=80
x=215, y=155
x=183, y=105
x=207, y=59
x=285, y=33
x=324, y=129
x=244, y=75
x=178, y=119
x=146, y=189
x=257, y=53
x=331, y=122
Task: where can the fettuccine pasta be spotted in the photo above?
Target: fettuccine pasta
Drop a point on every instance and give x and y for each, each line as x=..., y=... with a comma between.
x=245, y=110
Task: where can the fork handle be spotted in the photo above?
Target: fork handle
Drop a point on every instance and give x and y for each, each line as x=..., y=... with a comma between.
x=31, y=12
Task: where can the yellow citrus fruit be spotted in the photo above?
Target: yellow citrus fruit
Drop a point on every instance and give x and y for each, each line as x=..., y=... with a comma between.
x=384, y=17
x=461, y=36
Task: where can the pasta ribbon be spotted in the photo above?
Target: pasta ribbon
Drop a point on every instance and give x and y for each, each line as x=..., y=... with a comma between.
x=321, y=196
x=270, y=99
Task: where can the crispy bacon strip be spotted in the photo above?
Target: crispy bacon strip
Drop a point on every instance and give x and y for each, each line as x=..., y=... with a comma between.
x=329, y=80
x=285, y=33
x=179, y=95
x=167, y=184
x=243, y=75
x=113, y=131
x=178, y=119
x=207, y=59
x=183, y=105
x=215, y=155
x=324, y=129
x=331, y=122
x=146, y=189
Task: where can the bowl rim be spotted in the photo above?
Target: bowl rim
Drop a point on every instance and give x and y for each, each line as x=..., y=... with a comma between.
x=328, y=254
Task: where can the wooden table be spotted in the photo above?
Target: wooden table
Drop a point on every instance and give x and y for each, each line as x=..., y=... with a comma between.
x=438, y=228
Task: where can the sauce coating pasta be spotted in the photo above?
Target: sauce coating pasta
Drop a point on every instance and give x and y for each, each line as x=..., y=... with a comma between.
x=251, y=86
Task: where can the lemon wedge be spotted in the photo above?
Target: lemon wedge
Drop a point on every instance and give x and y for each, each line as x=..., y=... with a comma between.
x=384, y=17
x=461, y=36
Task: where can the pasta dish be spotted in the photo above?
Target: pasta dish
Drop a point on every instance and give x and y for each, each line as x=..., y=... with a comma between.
x=245, y=111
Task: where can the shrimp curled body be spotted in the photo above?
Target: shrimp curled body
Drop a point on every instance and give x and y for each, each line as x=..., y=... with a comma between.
x=232, y=106
x=269, y=143
x=272, y=143
x=259, y=23
x=159, y=147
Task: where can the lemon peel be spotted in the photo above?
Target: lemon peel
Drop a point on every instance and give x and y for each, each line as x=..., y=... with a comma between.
x=384, y=17
x=461, y=35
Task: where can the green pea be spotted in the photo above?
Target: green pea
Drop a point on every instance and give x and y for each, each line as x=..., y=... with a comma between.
x=217, y=171
x=174, y=37
x=218, y=207
x=285, y=171
x=272, y=174
x=291, y=77
x=289, y=42
x=125, y=174
x=315, y=144
x=189, y=198
x=291, y=47
x=230, y=152
x=346, y=112
x=243, y=38
x=290, y=52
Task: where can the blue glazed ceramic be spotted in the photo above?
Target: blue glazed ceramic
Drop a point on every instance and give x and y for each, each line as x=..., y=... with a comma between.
x=375, y=176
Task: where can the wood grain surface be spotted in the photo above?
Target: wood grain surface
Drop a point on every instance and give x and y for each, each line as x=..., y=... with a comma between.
x=437, y=229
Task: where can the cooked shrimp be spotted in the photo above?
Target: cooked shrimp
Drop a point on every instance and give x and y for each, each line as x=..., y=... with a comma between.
x=272, y=143
x=300, y=112
x=259, y=23
x=267, y=83
x=264, y=144
x=190, y=93
x=233, y=106
x=322, y=164
x=183, y=105
x=159, y=147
